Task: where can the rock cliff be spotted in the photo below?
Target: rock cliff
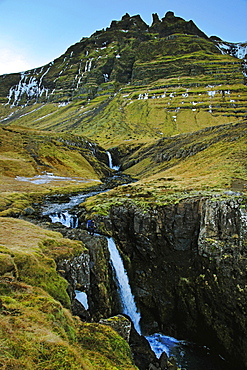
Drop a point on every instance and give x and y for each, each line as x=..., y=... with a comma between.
x=187, y=268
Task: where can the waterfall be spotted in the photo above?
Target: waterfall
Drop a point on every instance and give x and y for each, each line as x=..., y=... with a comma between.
x=190, y=356
x=110, y=164
x=187, y=356
x=60, y=212
x=65, y=218
x=127, y=299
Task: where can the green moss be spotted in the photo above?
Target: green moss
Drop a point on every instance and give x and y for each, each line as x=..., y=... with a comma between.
x=106, y=341
x=37, y=333
x=37, y=270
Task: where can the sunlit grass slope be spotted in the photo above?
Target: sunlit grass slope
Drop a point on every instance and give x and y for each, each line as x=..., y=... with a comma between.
x=30, y=152
x=212, y=160
x=163, y=108
x=173, y=85
x=37, y=331
x=213, y=156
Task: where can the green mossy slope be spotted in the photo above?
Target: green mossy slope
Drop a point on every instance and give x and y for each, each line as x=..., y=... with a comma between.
x=37, y=331
x=131, y=82
x=209, y=161
x=28, y=153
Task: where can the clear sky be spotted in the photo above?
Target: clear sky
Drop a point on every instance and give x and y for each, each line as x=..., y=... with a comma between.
x=35, y=32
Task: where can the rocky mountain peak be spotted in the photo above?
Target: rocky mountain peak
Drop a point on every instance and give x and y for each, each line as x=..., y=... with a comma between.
x=156, y=19
x=129, y=22
x=171, y=24
x=167, y=26
x=170, y=16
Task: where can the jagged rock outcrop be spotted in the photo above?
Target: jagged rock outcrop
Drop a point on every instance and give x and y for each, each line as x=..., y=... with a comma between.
x=170, y=24
x=129, y=23
x=120, y=324
x=143, y=355
x=184, y=260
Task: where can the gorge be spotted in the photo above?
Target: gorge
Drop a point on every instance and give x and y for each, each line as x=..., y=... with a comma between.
x=183, y=260
x=143, y=129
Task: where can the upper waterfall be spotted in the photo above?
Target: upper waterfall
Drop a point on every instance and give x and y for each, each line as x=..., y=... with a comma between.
x=116, y=168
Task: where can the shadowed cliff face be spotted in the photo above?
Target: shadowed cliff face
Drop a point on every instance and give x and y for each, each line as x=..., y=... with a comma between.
x=187, y=266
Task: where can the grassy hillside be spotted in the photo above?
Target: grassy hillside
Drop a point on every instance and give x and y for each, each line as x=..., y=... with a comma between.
x=37, y=330
x=206, y=162
x=132, y=83
x=34, y=163
x=141, y=113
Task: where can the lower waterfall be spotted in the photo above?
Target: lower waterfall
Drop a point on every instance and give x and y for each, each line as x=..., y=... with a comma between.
x=126, y=297
x=188, y=355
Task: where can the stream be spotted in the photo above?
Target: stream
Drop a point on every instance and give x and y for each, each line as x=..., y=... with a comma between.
x=188, y=355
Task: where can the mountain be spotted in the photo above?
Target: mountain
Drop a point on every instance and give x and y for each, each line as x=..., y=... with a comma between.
x=132, y=81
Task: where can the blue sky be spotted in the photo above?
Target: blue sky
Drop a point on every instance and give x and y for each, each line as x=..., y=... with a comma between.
x=35, y=32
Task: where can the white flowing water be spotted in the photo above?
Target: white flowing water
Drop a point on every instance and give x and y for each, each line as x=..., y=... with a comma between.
x=162, y=343
x=127, y=299
x=59, y=212
x=64, y=218
x=110, y=163
x=187, y=355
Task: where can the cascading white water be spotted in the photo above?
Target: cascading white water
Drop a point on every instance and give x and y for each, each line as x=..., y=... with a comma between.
x=59, y=212
x=127, y=299
x=65, y=218
x=110, y=164
x=159, y=342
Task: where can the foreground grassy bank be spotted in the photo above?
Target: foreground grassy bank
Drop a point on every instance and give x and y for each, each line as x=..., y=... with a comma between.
x=37, y=330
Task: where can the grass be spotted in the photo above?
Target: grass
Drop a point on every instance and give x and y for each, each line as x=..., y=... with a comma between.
x=28, y=153
x=38, y=333
x=213, y=83
x=32, y=250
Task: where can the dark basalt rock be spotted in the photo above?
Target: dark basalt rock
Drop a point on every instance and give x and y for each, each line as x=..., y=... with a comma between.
x=91, y=273
x=129, y=23
x=184, y=260
x=171, y=24
x=79, y=310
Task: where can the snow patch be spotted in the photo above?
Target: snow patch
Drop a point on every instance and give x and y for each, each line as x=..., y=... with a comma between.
x=212, y=93
x=237, y=50
x=49, y=177
x=185, y=95
x=29, y=86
